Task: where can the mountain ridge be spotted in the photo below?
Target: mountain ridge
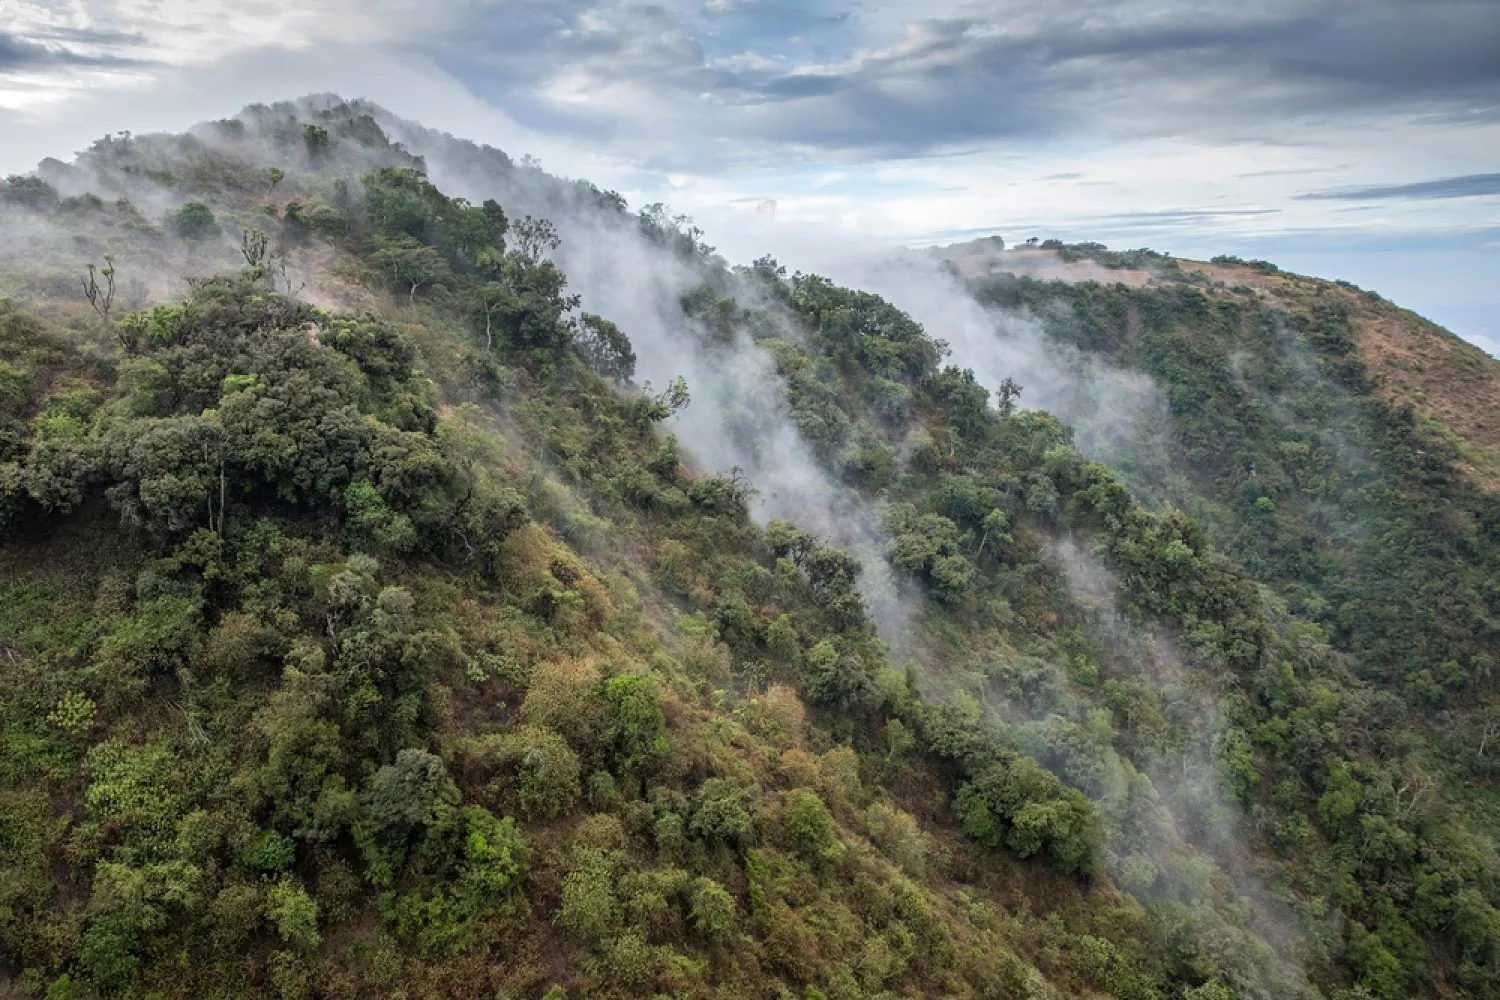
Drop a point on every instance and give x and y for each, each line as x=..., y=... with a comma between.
x=373, y=623
x=1415, y=361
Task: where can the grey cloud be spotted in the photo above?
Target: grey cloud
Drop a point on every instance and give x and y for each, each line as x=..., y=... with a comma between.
x=1467, y=186
x=87, y=36
x=1179, y=214
x=778, y=17
x=696, y=87
x=1290, y=171
x=33, y=52
x=1013, y=71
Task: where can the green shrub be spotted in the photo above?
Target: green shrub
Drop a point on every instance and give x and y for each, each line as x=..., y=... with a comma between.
x=74, y=714
x=194, y=221
x=809, y=829
x=269, y=851
x=589, y=909
x=294, y=913
x=713, y=910
x=724, y=811
x=549, y=770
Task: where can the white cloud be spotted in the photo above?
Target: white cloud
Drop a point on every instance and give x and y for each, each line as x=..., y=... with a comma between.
x=901, y=123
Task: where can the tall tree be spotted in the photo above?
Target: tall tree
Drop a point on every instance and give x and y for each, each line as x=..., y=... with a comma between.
x=409, y=263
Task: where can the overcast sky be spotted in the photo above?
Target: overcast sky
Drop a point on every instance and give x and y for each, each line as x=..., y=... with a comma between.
x=1347, y=138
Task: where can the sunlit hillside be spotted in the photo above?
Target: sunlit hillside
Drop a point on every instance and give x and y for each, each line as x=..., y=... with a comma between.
x=425, y=576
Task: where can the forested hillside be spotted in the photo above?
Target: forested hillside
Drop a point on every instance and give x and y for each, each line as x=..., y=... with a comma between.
x=424, y=576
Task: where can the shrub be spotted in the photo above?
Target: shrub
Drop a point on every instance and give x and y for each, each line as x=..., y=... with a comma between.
x=294, y=913
x=564, y=697
x=809, y=829
x=74, y=714
x=486, y=879
x=236, y=913
x=713, y=909
x=549, y=770
x=590, y=908
x=898, y=835
x=110, y=950
x=778, y=716
x=724, y=811
x=604, y=791
x=269, y=851
x=600, y=831
x=670, y=833
x=493, y=857
x=194, y=221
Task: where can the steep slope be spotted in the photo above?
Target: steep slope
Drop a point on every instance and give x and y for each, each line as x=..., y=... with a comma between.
x=367, y=629
x=1411, y=361
x=1448, y=382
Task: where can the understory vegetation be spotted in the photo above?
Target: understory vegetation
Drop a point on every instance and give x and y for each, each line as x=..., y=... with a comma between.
x=394, y=646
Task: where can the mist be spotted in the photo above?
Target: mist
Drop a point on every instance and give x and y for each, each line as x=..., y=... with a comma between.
x=1117, y=415
x=1191, y=808
x=1037, y=636
x=738, y=418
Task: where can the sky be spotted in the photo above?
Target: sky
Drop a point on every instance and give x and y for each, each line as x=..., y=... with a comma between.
x=1354, y=139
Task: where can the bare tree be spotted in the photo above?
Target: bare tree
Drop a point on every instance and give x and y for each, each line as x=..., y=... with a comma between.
x=1491, y=730
x=278, y=266
x=489, y=301
x=253, y=247
x=535, y=237
x=102, y=298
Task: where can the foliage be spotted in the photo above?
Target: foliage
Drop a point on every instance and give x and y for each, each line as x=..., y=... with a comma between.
x=194, y=221
x=318, y=629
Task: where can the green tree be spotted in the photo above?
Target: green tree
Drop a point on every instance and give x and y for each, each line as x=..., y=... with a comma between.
x=639, y=731
x=838, y=679
x=1015, y=802
x=294, y=913
x=713, y=910
x=194, y=221
x=809, y=829
x=414, y=791
x=1006, y=396
x=315, y=140
x=604, y=348
x=408, y=263
x=492, y=300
